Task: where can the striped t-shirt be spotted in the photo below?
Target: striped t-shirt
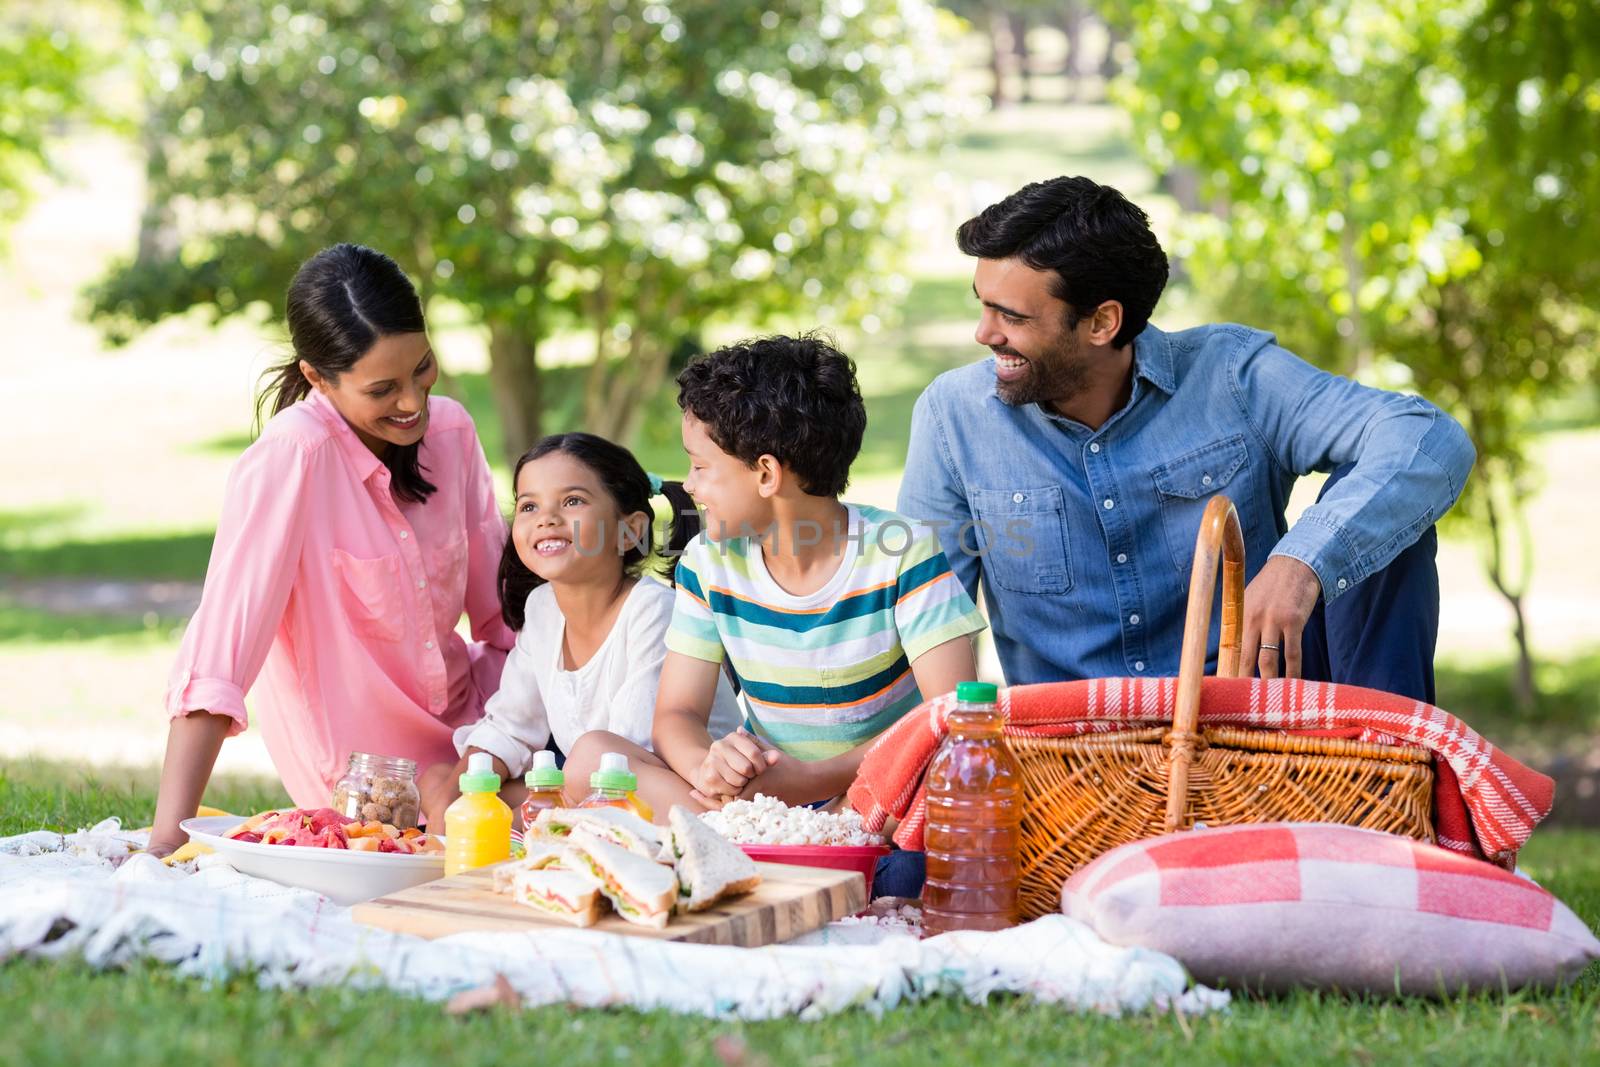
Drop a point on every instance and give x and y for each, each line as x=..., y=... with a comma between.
x=823, y=673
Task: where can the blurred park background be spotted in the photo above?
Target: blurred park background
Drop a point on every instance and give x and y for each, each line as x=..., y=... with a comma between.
x=588, y=193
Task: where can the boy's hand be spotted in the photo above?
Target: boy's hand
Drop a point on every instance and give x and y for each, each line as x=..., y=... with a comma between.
x=796, y=781
x=731, y=763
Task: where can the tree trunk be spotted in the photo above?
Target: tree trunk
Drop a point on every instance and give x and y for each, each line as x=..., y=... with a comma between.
x=1110, y=65
x=1018, y=25
x=518, y=392
x=1073, y=16
x=997, y=51
x=1525, y=690
x=158, y=225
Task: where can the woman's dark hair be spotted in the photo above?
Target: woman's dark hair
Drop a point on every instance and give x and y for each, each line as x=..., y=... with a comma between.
x=629, y=485
x=342, y=301
x=1098, y=243
x=794, y=398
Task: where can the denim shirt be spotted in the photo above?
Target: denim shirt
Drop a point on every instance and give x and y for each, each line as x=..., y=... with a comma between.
x=1084, y=538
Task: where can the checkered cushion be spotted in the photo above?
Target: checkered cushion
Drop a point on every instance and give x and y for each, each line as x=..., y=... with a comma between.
x=1276, y=905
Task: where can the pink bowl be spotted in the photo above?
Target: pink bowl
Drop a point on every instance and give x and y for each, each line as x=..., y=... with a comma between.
x=863, y=858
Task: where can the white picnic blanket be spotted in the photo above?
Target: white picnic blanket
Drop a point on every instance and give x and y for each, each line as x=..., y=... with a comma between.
x=85, y=894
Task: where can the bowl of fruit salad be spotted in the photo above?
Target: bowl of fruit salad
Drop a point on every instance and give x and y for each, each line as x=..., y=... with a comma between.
x=320, y=849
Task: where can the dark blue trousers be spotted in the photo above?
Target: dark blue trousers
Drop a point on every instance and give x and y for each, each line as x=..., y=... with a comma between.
x=1380, y=635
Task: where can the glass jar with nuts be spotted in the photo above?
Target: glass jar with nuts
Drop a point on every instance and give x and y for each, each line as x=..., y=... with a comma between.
x=378, y=788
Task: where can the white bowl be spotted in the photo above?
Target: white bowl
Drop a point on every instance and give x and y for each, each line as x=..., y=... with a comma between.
x=342, y=876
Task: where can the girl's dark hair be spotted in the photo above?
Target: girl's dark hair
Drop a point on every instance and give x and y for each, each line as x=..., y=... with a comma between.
x=622, y=477
x=1097, y=242
x=342, y=301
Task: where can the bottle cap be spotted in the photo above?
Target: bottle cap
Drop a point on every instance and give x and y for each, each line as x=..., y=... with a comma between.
x=480, y=776
x=614, y=774
x=977, y=693
x=544, y=774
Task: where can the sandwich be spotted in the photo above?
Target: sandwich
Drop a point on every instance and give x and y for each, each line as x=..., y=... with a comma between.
x=641, y=890
x=710, y=867
x=621, y=828
x=537, y=856
x=562, y=895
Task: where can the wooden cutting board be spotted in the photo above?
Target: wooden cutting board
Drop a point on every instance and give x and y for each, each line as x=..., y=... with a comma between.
x=790, y=901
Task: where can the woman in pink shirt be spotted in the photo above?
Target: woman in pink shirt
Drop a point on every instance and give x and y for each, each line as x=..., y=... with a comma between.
x=354, y=533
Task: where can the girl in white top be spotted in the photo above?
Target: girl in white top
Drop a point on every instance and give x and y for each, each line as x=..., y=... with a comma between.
x=591, y=623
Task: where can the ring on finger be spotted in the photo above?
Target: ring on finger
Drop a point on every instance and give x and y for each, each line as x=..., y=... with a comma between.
x=1267, y=646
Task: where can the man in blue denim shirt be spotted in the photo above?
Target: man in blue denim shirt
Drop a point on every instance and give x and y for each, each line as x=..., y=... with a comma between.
x=1071, y=469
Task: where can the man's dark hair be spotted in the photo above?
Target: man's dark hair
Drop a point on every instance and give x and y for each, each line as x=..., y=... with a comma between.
x=793, y=398
x=1098, y=243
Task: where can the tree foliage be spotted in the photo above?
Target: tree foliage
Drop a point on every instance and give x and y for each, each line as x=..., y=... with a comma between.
x=1395, y=182
x=43, y=65
x=637, y=168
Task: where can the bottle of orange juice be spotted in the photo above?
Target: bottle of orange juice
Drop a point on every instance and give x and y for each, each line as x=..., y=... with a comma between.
x=477, y=826
x=544, y=783
x=614, y=786
x=973, y=834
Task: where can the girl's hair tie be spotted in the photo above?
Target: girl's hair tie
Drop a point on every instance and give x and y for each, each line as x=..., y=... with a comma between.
x=655, y=484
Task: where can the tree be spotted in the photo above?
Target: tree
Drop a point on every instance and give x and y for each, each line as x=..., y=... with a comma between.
x=43, y=64
x=1397, y=186
x=634, y=168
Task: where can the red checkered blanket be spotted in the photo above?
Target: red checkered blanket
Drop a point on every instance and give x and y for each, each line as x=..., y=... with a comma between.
x=1486, y=804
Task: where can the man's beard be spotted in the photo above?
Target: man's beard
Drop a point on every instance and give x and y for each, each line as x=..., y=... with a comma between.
x=1052, y=376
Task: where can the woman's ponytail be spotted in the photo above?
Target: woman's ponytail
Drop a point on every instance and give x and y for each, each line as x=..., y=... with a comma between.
x=285, y=385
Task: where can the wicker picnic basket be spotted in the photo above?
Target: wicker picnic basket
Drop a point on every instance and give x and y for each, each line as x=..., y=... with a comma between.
x=1087, y=795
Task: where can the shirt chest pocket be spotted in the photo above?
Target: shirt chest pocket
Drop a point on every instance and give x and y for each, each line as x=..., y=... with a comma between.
x=1187, y=484
x=1021, y=535
x=370, y=590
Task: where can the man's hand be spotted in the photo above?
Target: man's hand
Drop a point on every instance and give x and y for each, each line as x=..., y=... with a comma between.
x=730, y=764
x=1277, y=604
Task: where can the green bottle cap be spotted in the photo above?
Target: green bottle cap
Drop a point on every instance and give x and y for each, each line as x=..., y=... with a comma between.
x=544, y=773
x=614, y=774
x=977, y=693
x=480, y=776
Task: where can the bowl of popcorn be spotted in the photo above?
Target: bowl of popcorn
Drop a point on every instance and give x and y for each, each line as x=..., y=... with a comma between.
x=770, y=831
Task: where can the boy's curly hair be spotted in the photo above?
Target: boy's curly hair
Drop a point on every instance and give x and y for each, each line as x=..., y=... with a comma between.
x=794, y=398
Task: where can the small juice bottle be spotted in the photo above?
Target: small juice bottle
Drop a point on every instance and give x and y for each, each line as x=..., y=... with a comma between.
x=544, y=783
x=973, y=834
x=477, y=826
x=614, y=786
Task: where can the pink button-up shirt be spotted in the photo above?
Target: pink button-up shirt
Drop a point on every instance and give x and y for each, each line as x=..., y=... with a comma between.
x=339, y=605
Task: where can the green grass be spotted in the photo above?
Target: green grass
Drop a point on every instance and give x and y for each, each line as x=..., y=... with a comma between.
x=63, y=1013
x=146, y=555
x=1569, y=700
x=25, y=625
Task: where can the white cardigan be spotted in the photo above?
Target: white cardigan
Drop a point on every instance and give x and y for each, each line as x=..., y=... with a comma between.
x=615, y=690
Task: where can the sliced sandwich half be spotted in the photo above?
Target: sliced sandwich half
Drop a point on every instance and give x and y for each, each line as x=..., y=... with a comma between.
x=538, y=856
x=622, y=828
x=563, y=895
x=641, y=890
x=710, y=867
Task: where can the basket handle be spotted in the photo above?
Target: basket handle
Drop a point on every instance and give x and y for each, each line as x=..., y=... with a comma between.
x=1220, y=536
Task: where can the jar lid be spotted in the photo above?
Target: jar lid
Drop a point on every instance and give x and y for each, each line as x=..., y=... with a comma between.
x=394, y=766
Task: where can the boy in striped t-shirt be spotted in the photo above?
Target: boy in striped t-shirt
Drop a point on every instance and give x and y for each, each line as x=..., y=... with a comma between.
x=835, y=619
